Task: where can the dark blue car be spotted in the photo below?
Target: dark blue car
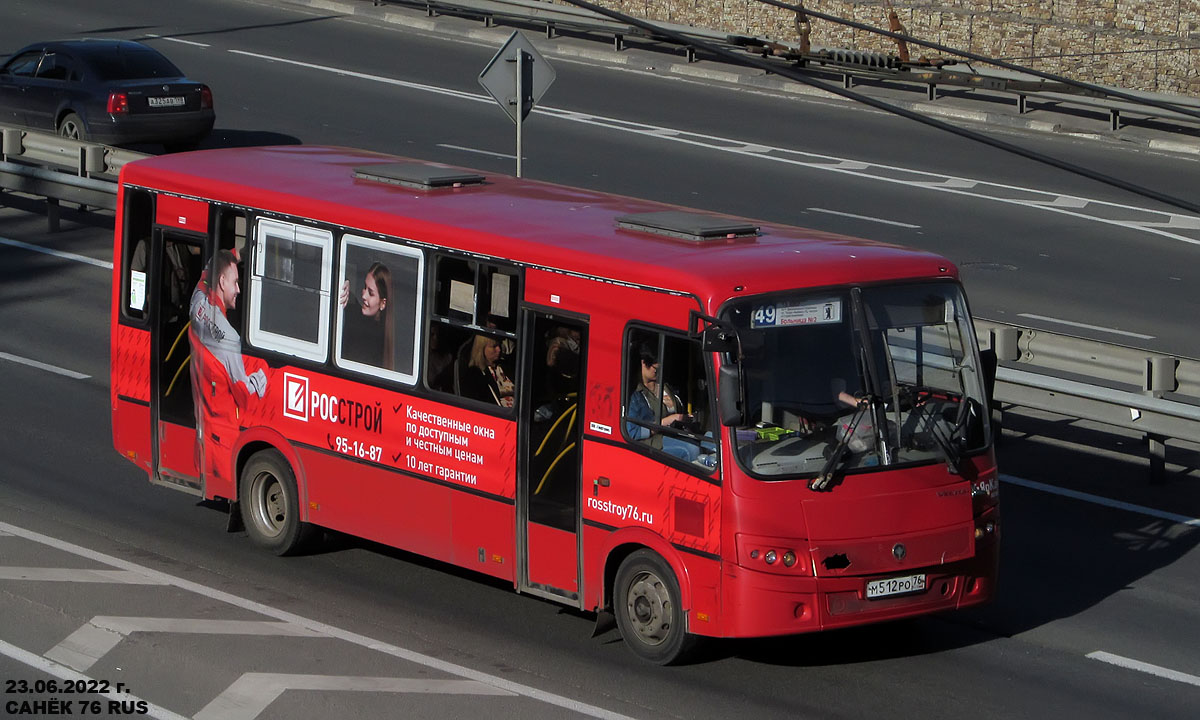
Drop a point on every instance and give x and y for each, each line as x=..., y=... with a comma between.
x=113, y=92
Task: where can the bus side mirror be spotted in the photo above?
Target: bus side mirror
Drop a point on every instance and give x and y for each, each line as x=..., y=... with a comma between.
x=719, y=340
x=731, y=400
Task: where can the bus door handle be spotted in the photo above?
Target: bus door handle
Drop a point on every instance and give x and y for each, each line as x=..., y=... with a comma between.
x=598, y=482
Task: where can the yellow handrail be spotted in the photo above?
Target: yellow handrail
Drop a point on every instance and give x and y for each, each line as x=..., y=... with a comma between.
x=546, y=474
x=182, y=365
x=570, y=409
x=177, y=339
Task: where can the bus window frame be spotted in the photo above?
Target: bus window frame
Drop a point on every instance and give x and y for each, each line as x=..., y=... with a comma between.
x=452, y=319
x=128, y=246
x=275, y=342
x=396, y=246
x=628, y=373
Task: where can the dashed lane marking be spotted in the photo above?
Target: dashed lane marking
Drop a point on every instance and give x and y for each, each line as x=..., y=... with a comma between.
x=1147, y=668
x=1085, y=326
x=43, y=366
x=85, y=575
x=864, y=217
x=1098, y=500
x=57, y=253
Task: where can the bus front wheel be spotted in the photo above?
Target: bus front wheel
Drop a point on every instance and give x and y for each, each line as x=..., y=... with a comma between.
x=270, y=504
x=649, y=614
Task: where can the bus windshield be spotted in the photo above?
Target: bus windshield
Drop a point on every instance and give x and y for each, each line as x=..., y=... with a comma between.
x=858, y=378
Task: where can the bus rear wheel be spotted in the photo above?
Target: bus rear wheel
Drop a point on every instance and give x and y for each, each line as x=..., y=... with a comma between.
x=270, y=504
x=649, y=614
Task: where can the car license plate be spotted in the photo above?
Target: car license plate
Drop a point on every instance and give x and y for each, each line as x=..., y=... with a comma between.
x=895, y=586
x=175, y=101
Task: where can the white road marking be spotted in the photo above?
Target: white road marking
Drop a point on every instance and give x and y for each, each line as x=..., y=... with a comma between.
x=908, y=177
x=57, y=253
x=252, y=693
x=84, y=575
x=84, y=647
x=62, y=673
x=862, y=217
x=178, y=40
x=1106, y=502
x=476, y=97
x=1085, y=326
x=475, y=150
x=1140, y=666
x=462, y=671
x=44, y=366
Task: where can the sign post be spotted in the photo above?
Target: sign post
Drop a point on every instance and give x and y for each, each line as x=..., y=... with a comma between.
x=516, y=78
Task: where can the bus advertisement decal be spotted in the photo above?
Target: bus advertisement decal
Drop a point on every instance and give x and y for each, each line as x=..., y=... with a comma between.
x=399, y=431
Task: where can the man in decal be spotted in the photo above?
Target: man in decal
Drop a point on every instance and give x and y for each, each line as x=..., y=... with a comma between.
x=220, y=382
x=208, y=314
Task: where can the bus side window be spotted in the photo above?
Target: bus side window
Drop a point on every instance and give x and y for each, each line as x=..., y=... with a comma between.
x=289, y=283
x=667, y=405
x=139, y=224
x=474, y=311
x=231, y=235
x=380, y=287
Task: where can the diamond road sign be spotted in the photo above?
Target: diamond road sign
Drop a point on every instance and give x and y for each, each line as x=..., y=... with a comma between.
x=500, y=78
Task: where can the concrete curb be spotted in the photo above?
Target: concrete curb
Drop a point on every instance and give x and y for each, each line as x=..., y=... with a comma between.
x=710, y=71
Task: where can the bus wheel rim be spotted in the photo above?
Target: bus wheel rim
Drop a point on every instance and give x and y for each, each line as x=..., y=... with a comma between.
x=649, y=607
x=270, y=504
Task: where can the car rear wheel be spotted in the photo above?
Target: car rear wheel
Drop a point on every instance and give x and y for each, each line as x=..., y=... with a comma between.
x=72, y=127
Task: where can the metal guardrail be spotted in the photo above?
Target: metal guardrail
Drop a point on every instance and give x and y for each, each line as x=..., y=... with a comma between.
x=1146, y=392
x=851, y=65
x=555, y=17
x=1155, y=394
x=60, y=169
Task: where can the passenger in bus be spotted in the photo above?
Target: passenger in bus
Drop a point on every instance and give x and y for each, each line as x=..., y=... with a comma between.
x=484, y=378
x=367, y=336
x=654, y=402
x=562, y=360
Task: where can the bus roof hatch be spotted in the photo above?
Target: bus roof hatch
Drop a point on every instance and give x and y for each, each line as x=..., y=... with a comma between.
x=696, y=227
x=417, y=176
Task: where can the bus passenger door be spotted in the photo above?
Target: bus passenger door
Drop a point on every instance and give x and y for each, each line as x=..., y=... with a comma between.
x=175, y=266
x=548, y=485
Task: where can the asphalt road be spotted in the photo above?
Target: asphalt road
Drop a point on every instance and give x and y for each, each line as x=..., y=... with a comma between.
x=1096, y=615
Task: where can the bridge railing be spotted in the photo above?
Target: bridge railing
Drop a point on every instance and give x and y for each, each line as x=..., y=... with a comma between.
x=1155, y=394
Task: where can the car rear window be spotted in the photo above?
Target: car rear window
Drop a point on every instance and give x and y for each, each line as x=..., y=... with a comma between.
x=133, y=65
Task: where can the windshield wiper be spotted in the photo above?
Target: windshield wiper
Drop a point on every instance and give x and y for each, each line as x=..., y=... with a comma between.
x=824, y=479
x=947, y=444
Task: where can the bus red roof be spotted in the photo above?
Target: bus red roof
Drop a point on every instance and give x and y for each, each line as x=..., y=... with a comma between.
x=532, y=222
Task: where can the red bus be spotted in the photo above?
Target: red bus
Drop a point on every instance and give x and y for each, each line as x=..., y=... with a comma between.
x=699, y=424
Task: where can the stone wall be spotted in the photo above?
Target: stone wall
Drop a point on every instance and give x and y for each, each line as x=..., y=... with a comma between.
x=1149, y=45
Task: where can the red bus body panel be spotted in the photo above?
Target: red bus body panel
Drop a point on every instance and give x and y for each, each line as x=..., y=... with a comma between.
x=400, y=467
